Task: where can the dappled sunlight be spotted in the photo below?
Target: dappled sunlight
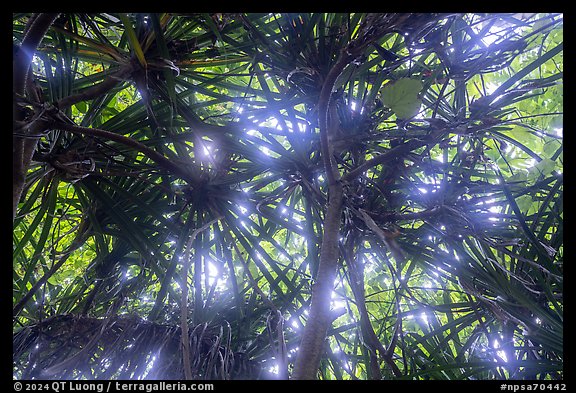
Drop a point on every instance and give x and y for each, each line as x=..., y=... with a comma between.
x=295, y=324
x=273, y=369
x=173, y=177
x=501, y=353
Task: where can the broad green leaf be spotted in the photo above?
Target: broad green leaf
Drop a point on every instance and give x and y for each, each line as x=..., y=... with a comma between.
x=524, y=202
x=402, y=97
x=81, y=106
x=551, y=147
x=519, y=133
x=543, y=168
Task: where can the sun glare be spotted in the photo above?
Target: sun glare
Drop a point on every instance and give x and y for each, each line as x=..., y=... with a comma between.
x=501, y=353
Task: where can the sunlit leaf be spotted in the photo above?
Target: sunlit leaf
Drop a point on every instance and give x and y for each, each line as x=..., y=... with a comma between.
x=81, y=106
x=543, y=168
x=402, y=97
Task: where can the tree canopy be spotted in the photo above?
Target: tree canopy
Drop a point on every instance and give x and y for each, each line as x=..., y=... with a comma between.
x=287, y=195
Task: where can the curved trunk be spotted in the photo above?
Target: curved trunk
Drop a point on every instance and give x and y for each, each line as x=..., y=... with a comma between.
x=22, y=147
x=314, y=335
x=319, y=316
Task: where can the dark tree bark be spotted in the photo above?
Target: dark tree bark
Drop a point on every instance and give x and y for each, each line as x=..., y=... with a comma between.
x=23, y=147
x=158, y=158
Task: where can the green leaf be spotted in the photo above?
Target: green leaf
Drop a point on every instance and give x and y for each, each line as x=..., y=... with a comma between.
x=133, y=39
x=544, y=167
x=539, y=24
x=402, y=97
x=492, y=151
x=519, y=176
x=518, y=133
x=54, y=280
x=524, y=202
x=551, y=147
x=81, y=106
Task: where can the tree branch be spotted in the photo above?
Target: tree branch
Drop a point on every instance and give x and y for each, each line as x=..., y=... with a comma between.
x=158, y=158
x=368, y=333
x=319, y=318
x=23, y=57
x=314, y=335
x=22, y=148
x=97, y=90
x=323, y=115
x=383, y=158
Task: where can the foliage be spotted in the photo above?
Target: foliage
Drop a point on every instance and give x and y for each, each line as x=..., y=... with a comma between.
x=183, y=151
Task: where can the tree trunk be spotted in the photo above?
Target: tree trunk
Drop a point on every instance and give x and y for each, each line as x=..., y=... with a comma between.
x=23, y=147
x=319, y=316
